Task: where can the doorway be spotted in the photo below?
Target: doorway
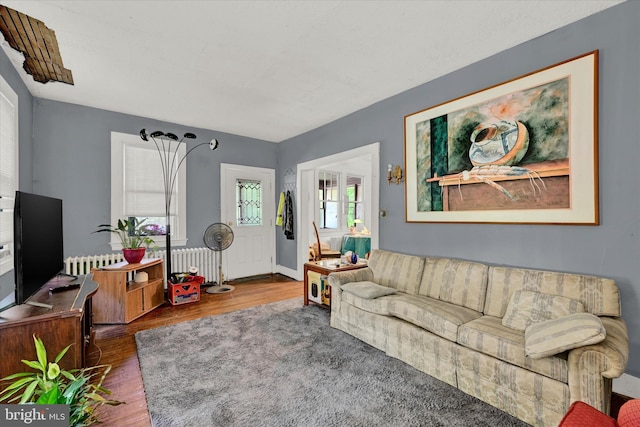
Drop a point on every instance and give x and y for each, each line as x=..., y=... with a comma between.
x=368, y=160
x=247, y=205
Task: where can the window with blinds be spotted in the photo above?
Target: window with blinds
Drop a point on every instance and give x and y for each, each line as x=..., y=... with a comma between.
x=8, y=171
x=137, y=188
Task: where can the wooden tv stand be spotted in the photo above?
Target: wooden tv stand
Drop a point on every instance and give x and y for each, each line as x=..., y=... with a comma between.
x=122, y=300
x=69, y=321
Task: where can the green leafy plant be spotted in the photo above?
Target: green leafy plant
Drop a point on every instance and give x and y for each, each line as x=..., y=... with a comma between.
x=131, y=232
x=81, y=389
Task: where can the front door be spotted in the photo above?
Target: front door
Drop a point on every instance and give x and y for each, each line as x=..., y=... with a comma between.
x=247, y=205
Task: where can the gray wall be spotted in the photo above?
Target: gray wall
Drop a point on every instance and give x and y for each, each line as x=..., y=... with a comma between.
x=71, y=161
x=611, y=249
x=65, y=153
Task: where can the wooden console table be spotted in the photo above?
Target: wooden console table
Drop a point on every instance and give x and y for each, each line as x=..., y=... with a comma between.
x=324, y=267
x=122, y=300
x=69, y=321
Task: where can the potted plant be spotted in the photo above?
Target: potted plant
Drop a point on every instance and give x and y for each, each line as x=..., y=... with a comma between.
x=131, y=232
x=81, y=389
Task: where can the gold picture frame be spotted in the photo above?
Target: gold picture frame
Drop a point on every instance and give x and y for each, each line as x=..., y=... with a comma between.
x=523, y=151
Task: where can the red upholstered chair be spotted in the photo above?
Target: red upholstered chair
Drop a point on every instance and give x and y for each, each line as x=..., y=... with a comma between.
x=581, y=414
x=629, y=415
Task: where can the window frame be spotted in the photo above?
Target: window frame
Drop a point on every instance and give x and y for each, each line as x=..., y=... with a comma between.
x=323, y=200
x=7, y=201
x=358, y=205
x=119, y=141
x=342, y=201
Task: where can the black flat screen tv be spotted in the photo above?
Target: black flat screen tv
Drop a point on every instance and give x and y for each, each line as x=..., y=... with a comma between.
x=37, y=233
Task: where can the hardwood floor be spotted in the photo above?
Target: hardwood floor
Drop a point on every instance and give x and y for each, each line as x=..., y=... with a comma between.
x=115, y=344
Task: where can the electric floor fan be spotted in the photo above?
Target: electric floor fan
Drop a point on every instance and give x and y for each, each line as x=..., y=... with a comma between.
x=218, y=237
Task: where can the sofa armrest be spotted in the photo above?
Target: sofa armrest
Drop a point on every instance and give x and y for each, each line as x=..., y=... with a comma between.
x=339, y=278
x=592, y=367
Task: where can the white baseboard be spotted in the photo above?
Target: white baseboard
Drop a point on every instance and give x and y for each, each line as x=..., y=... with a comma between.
x=627, y=385
x=288, y=272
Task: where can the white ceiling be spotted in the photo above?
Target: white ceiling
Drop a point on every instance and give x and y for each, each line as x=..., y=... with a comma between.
x=273, y=69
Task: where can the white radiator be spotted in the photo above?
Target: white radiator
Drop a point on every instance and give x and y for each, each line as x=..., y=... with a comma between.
x=181, y=260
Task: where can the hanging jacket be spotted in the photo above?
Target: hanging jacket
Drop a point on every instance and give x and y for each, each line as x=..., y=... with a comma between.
x=288, y=216
x=279, y=221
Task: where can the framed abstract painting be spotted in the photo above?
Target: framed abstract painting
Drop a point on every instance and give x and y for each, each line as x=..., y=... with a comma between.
x=523, y=151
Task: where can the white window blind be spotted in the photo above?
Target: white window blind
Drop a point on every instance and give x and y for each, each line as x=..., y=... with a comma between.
x=144, y=183
x=8, y=171
x=137, y=186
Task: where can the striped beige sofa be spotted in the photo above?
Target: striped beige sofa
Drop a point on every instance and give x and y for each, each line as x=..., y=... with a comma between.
x=528, y=342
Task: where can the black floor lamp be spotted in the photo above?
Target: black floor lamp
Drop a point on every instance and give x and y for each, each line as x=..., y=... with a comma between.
x=167, y=145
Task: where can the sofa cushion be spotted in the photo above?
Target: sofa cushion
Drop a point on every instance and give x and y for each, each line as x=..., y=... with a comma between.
x=376, y=305
x=423, y=350
x=487, y=335
x=526, y=308
x=536, y=399
x=456, y=281
x=367, y=290
x=555, y=336
x=396, y=270
x=439, y=317
x=600, y=296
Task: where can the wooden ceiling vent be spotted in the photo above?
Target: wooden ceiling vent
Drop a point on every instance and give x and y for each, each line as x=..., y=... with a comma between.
x=38, y=44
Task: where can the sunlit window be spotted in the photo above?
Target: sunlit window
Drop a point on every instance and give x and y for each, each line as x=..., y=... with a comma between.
x=340, y=200
x=137, y=190
x=328, y=196
x=355, y=200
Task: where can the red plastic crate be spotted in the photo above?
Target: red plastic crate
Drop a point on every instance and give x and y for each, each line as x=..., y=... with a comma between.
x=182, y=293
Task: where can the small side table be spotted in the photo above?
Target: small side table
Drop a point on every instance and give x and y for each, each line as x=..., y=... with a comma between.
x=323, y=268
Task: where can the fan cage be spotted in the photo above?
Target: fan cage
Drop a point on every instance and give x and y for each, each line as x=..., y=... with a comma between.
x=218, y=237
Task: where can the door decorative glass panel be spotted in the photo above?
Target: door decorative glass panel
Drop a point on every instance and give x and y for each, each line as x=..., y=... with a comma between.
x=248, y=202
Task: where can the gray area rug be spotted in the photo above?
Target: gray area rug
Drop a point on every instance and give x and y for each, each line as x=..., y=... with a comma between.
x=281, y=364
